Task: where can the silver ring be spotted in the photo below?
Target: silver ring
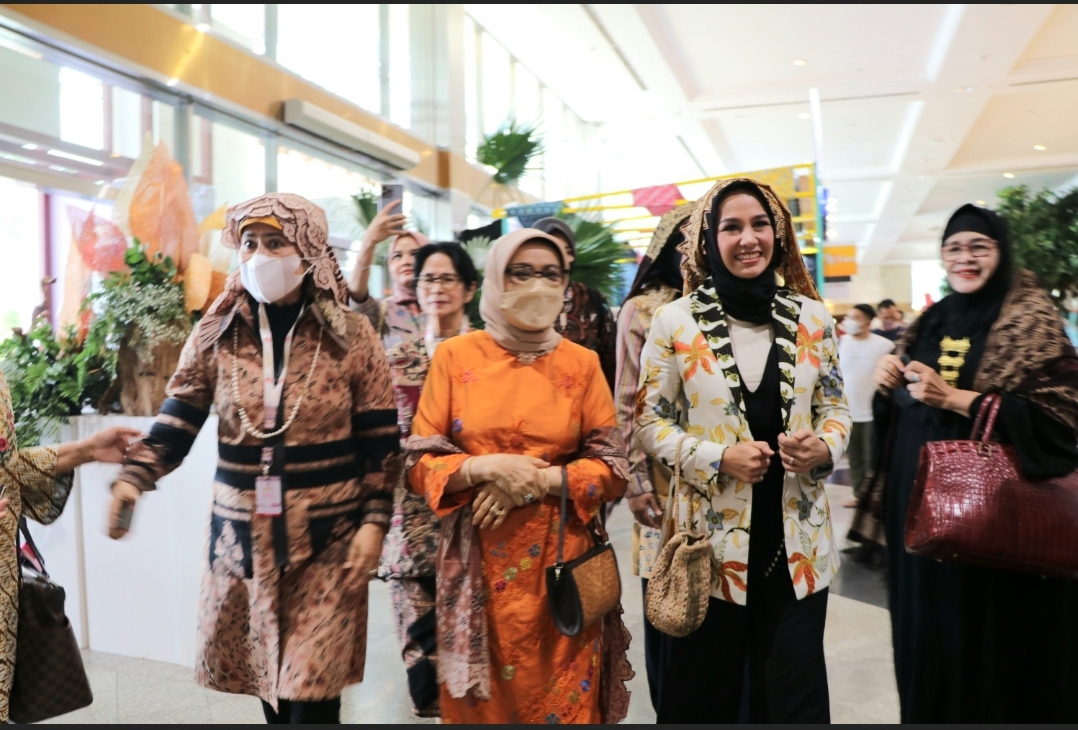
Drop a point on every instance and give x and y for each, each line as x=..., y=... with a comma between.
x=529, y=497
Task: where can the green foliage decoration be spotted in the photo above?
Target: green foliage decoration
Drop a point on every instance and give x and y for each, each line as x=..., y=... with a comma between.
x=50, y=380
x=141, y=307
x=598, y=254
x=1043, y=228
x=510, y=151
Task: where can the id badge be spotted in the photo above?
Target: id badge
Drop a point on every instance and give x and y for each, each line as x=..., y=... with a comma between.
x=268, y=496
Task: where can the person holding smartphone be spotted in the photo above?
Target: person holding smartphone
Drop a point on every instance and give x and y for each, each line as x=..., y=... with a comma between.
x=397, y=318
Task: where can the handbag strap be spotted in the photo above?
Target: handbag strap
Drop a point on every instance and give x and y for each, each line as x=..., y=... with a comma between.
x=989, y=410
x=672, y=517
x=25, y=531
x=561, y=525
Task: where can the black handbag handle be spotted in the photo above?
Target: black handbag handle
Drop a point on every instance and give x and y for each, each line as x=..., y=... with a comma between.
x=25, y=530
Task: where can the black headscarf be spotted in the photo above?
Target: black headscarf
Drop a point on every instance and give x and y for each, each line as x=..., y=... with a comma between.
x=745, y=299
x=962, y=315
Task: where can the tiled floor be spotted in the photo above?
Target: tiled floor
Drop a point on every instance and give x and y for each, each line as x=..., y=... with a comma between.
x=857, y=644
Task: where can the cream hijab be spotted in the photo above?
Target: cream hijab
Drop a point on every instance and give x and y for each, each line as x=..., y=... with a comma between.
x=490, y=306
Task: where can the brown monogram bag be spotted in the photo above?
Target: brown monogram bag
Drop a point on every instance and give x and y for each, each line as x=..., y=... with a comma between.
x=680, y=584
x=50, y=679
x=584, y=590
x=971, y=504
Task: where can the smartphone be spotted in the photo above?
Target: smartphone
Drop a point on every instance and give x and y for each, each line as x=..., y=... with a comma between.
x=123, y=520
x=390, y=192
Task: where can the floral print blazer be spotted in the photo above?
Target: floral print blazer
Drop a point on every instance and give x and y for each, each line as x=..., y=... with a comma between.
x=689, y=385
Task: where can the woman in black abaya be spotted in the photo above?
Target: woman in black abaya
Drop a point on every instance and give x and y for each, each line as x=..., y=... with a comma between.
x=974, y=644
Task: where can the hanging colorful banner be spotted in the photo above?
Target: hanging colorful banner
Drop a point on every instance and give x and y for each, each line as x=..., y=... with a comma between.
x=528, y=214
x=658, y=199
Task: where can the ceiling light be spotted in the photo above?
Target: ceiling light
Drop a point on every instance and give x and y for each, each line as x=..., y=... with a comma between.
x=115, y=154
x=1008, y=175
x=1039, y=147
x=172, y=82
x=800, y=62
x=981, y=203
x=804, y=115
x=76, y=158
x=202, y=27
x=99, y=182
x=963, y=89
x=29, y=146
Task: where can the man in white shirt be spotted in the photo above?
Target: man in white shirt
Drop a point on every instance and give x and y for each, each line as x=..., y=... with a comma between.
x=858, y=352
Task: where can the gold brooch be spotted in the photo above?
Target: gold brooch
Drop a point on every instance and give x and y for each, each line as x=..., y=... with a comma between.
x=952, y=358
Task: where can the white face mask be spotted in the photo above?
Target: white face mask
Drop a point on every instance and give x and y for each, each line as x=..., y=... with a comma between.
x=270, y=278
x=852, y=326
x=533, y=307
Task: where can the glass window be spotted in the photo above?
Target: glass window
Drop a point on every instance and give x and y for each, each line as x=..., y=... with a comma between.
x=926, y=280
x=241, y=24
x=126, y=122
x=228, y=166
x=497, y=94
x=400, y=66
x=334, y=46
x=30, y=89
x=472, y=118
x=82, y=109
x=21, y=242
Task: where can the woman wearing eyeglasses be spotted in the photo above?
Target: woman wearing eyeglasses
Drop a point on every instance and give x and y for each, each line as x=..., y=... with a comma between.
x=509, y=417
x=445, y=284
x=975, y=644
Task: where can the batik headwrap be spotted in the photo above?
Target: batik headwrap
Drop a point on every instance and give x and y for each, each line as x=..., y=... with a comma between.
x=793, y=270
x=665, y=229
x=304, y=224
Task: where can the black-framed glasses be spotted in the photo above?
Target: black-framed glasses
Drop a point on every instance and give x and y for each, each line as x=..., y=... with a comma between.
x=522, y=273
x=978, y=248
x=446, y=281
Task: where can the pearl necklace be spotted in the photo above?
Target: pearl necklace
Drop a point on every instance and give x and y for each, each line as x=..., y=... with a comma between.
x=236, y=387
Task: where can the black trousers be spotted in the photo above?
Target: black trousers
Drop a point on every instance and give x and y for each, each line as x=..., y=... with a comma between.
x=775, y=641
x=657, y=647
x=323, y=712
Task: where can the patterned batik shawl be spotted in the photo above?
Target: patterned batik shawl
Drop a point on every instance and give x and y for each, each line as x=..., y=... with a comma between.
x=793, y=270
x=463, y=638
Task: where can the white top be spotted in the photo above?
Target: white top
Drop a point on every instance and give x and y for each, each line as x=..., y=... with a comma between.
x=858, y=359
x=751, y=344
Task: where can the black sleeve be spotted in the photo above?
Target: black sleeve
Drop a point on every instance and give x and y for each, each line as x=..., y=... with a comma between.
x=607, y=349
x=1046, y=447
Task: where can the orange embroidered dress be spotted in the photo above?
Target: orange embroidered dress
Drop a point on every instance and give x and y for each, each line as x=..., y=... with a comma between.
x=483, y=400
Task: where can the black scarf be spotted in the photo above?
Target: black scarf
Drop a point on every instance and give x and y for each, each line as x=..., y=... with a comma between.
x=746, y=299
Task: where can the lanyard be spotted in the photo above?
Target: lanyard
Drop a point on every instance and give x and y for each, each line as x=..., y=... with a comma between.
x=273, y=389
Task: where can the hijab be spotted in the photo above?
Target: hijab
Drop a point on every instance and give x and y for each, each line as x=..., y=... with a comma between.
x=490, y=306
x=748, y=299
x=661, y=259
x=402, y=292
x=553, y=225
x=965, y=315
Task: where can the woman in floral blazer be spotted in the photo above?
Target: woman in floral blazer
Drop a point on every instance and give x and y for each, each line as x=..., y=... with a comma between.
x=744, y=374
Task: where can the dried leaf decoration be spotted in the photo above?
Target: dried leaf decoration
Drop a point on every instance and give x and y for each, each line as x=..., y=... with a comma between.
x=161, y=215
x=197, y=281
x=101, y=244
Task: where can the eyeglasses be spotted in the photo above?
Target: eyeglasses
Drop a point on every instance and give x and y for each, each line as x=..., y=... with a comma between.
x=446, y=281
x=978, y=249
x=522, y=273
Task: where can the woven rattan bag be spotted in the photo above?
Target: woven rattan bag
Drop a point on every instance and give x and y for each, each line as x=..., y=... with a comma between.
x=680, y=584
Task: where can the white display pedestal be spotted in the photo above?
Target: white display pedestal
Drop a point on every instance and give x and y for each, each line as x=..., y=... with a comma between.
x=138, y=596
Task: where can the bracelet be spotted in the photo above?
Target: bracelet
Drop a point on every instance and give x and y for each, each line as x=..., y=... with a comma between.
x=468, y=471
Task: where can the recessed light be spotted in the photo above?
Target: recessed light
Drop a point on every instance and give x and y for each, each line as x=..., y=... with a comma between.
x=1039, y=147
x=29, y=146
x=963, y=89
x=202, y=27
x=804, y=115
x=981, y=203
x=800, y=62
x=1008, y=175
x=115, y=154
x=172, y=82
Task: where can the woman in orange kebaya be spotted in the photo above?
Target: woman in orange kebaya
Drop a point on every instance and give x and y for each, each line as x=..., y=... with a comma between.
x=509, y=417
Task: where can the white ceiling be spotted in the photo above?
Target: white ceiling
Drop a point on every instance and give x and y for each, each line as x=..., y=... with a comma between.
x=924, y=107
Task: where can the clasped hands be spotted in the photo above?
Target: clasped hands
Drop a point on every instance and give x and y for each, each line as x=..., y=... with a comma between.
x=923, y=383
x=504, y=482
x=801, y=452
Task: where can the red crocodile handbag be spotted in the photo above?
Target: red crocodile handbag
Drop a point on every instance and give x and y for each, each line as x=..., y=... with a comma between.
x=971, y=504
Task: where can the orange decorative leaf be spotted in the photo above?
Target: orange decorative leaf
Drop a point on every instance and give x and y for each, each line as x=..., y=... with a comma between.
x=697, y=354
x=101, y=244
x=806, y=345
x=161, y=216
